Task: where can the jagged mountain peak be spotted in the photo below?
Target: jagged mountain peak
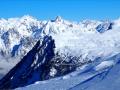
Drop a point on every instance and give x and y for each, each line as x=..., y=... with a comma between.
x=58, y=19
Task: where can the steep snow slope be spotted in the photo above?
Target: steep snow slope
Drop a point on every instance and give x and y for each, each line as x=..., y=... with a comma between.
x=102, y=76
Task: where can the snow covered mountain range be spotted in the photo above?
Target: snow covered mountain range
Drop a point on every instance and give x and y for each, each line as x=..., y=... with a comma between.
x=83, y=49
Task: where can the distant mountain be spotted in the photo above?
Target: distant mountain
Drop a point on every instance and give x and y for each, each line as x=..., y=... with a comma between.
x=19, y=35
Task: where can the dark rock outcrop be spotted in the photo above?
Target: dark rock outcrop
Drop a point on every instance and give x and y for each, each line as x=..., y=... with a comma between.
x=31, y=67
x=105, y=26
x=36, y=66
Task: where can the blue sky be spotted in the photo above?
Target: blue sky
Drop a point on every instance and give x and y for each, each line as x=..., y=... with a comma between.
x=69, y=9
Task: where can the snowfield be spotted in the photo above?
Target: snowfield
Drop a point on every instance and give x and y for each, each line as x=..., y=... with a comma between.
x=83, y=80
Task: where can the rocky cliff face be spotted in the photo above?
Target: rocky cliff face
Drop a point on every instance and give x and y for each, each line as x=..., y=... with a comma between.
x=37, y=65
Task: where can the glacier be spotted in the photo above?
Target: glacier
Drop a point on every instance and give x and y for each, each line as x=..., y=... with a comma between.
x=86, y=53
